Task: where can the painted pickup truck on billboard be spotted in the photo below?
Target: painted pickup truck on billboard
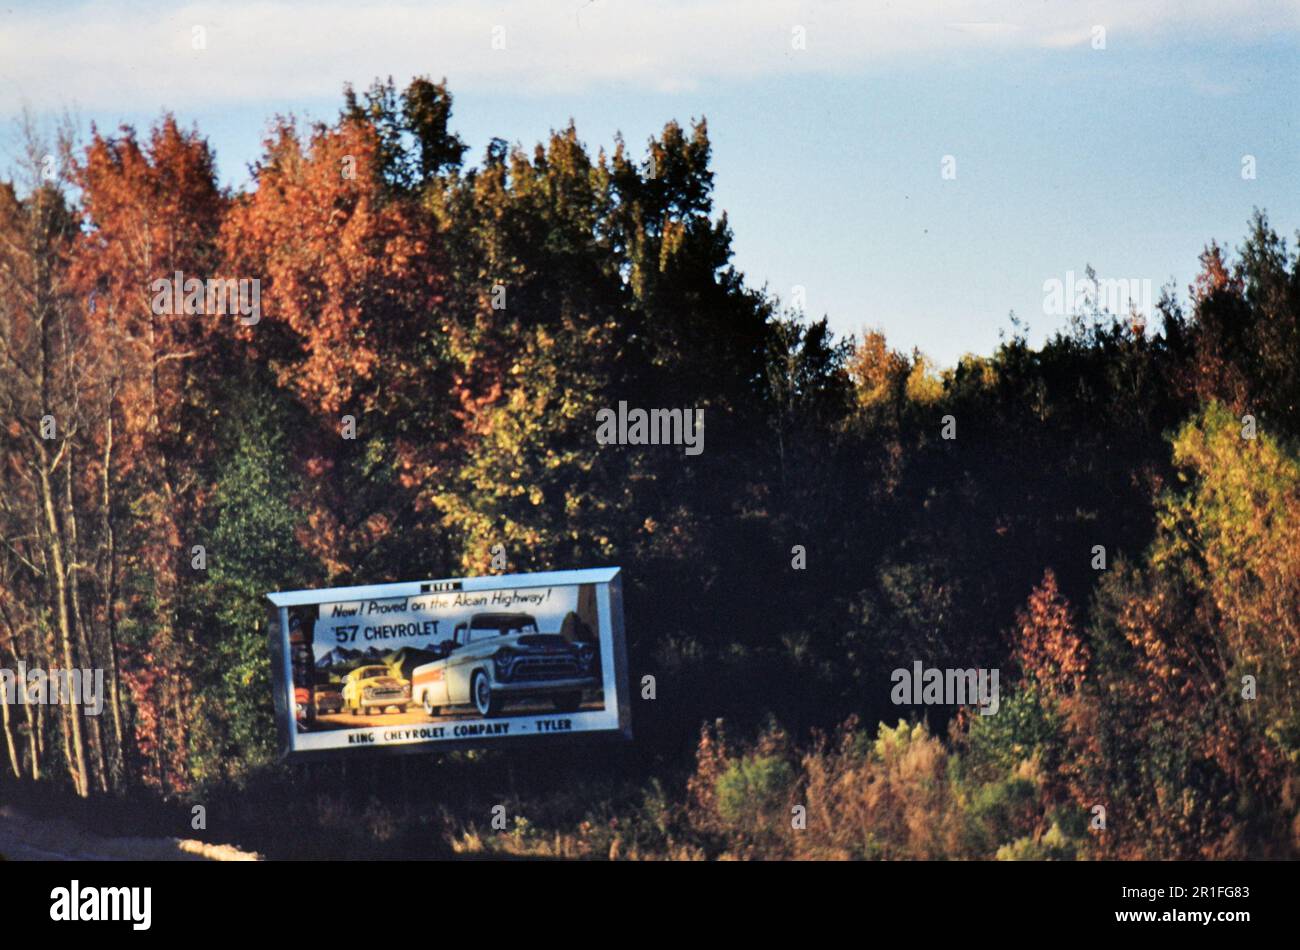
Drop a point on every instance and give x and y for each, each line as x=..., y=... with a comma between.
x=497, y=658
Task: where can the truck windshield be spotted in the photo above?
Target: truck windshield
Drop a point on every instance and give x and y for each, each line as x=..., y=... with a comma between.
x=493, y=630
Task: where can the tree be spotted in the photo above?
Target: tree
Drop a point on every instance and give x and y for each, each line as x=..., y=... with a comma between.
x=47, y=359
x=352, y=296
x=151, y=211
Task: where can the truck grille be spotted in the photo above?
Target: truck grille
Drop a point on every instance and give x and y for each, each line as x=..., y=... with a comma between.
x=544, y=668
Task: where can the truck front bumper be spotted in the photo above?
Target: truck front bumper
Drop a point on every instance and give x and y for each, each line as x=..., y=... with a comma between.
x=527, y=687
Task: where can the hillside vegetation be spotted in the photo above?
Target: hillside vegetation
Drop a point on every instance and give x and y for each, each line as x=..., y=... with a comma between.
x=469, y=321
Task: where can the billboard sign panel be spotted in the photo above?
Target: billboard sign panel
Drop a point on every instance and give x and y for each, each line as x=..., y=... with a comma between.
x=431, y=664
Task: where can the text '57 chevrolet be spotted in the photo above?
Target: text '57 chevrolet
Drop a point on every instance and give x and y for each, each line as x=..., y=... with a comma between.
x=499, y=657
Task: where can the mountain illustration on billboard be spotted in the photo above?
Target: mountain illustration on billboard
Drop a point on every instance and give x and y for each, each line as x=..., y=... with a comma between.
x=339, y=656
x=406, y=659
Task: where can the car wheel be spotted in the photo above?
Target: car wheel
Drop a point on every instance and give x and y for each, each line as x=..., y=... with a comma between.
x=568, y=702
x=429, y=708
x=487, y=703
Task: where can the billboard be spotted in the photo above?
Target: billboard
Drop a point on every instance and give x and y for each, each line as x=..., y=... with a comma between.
x=430, y=664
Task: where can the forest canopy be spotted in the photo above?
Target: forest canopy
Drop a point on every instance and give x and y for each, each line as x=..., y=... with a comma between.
x=474, y=321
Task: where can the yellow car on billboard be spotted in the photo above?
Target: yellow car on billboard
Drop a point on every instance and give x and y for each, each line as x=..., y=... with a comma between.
x=369, y=689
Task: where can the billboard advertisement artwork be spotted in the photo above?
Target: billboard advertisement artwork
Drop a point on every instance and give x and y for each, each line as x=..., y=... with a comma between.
x=431, y=664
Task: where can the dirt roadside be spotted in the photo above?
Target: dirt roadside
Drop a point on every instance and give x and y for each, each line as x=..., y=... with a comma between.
x=23, y=838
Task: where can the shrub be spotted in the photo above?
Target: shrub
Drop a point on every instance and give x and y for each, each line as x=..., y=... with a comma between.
x=1052, y=846
x=752, y=788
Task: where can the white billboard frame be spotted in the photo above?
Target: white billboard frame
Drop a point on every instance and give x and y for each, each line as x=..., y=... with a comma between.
x=611, y=721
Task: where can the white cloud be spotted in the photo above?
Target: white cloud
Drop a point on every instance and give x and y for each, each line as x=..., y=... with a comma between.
x=120, y=55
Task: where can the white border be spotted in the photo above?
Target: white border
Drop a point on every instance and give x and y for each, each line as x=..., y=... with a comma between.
x=329, y=595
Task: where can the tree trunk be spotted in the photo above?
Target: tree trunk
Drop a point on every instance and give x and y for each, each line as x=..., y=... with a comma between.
x=110, y=600
x=58, y=569
x=87, y=656
x=10, y=743
x=35, y=729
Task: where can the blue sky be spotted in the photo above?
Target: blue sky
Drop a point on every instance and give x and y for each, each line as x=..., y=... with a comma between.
x=827, y=158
